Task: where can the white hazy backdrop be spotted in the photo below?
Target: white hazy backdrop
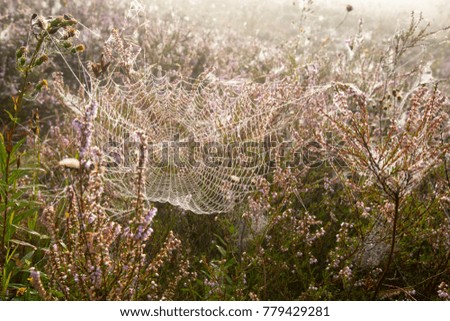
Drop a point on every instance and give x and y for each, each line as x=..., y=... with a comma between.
x=247, y=15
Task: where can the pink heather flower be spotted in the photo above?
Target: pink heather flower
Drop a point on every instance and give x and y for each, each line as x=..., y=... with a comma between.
x=92, y=218
x=77, y=125
x=117, y=229
x=35, y=275
x=144, y=230
x=443, y=291
x=345, y=273
x=64, y=142
x=126, y=232
x=150, y=215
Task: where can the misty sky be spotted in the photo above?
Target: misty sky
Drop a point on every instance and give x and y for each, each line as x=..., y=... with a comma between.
x=428, y=7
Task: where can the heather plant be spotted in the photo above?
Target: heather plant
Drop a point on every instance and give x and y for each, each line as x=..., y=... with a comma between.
x=287, y=237
x=93, y=257
x=390, y=159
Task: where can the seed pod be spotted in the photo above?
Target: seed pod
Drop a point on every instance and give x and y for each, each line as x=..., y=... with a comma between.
x=68, y=21
x=41, y=60
x=22, y=61
x=43, y=83
x=52, y=30
x=21, y=51
x=55, y=22
x=67, y=44
x=69, y=33
x=78, y=48
x=41, y=23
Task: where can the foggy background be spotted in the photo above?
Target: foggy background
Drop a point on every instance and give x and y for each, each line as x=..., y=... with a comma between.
x=282, y=18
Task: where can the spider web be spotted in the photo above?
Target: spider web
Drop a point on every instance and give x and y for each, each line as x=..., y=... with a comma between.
x=208, y=141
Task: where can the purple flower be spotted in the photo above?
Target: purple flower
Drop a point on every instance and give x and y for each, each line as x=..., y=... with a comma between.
x=150, y=215
x=77, y=125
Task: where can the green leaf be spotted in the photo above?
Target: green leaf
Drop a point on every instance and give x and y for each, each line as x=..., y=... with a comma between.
x=222, y=241
x=230, y=281
x=10, y=252
x=6, y=280
x=27, y=257
x=10, y=230
x=222, y=250
x=23, y=243
x=230, y=263
x=13, y=119
x=2, y=153
x=31, y=232
x=15, y=175
x=18, y=145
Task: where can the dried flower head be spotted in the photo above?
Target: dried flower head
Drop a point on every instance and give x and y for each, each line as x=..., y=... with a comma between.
x=70, y=33
x=78, y=48
x=70, y=163
x=68, y=21
x=42, y=84
x=41, y=60
x=55, y=21
x=21, y=51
